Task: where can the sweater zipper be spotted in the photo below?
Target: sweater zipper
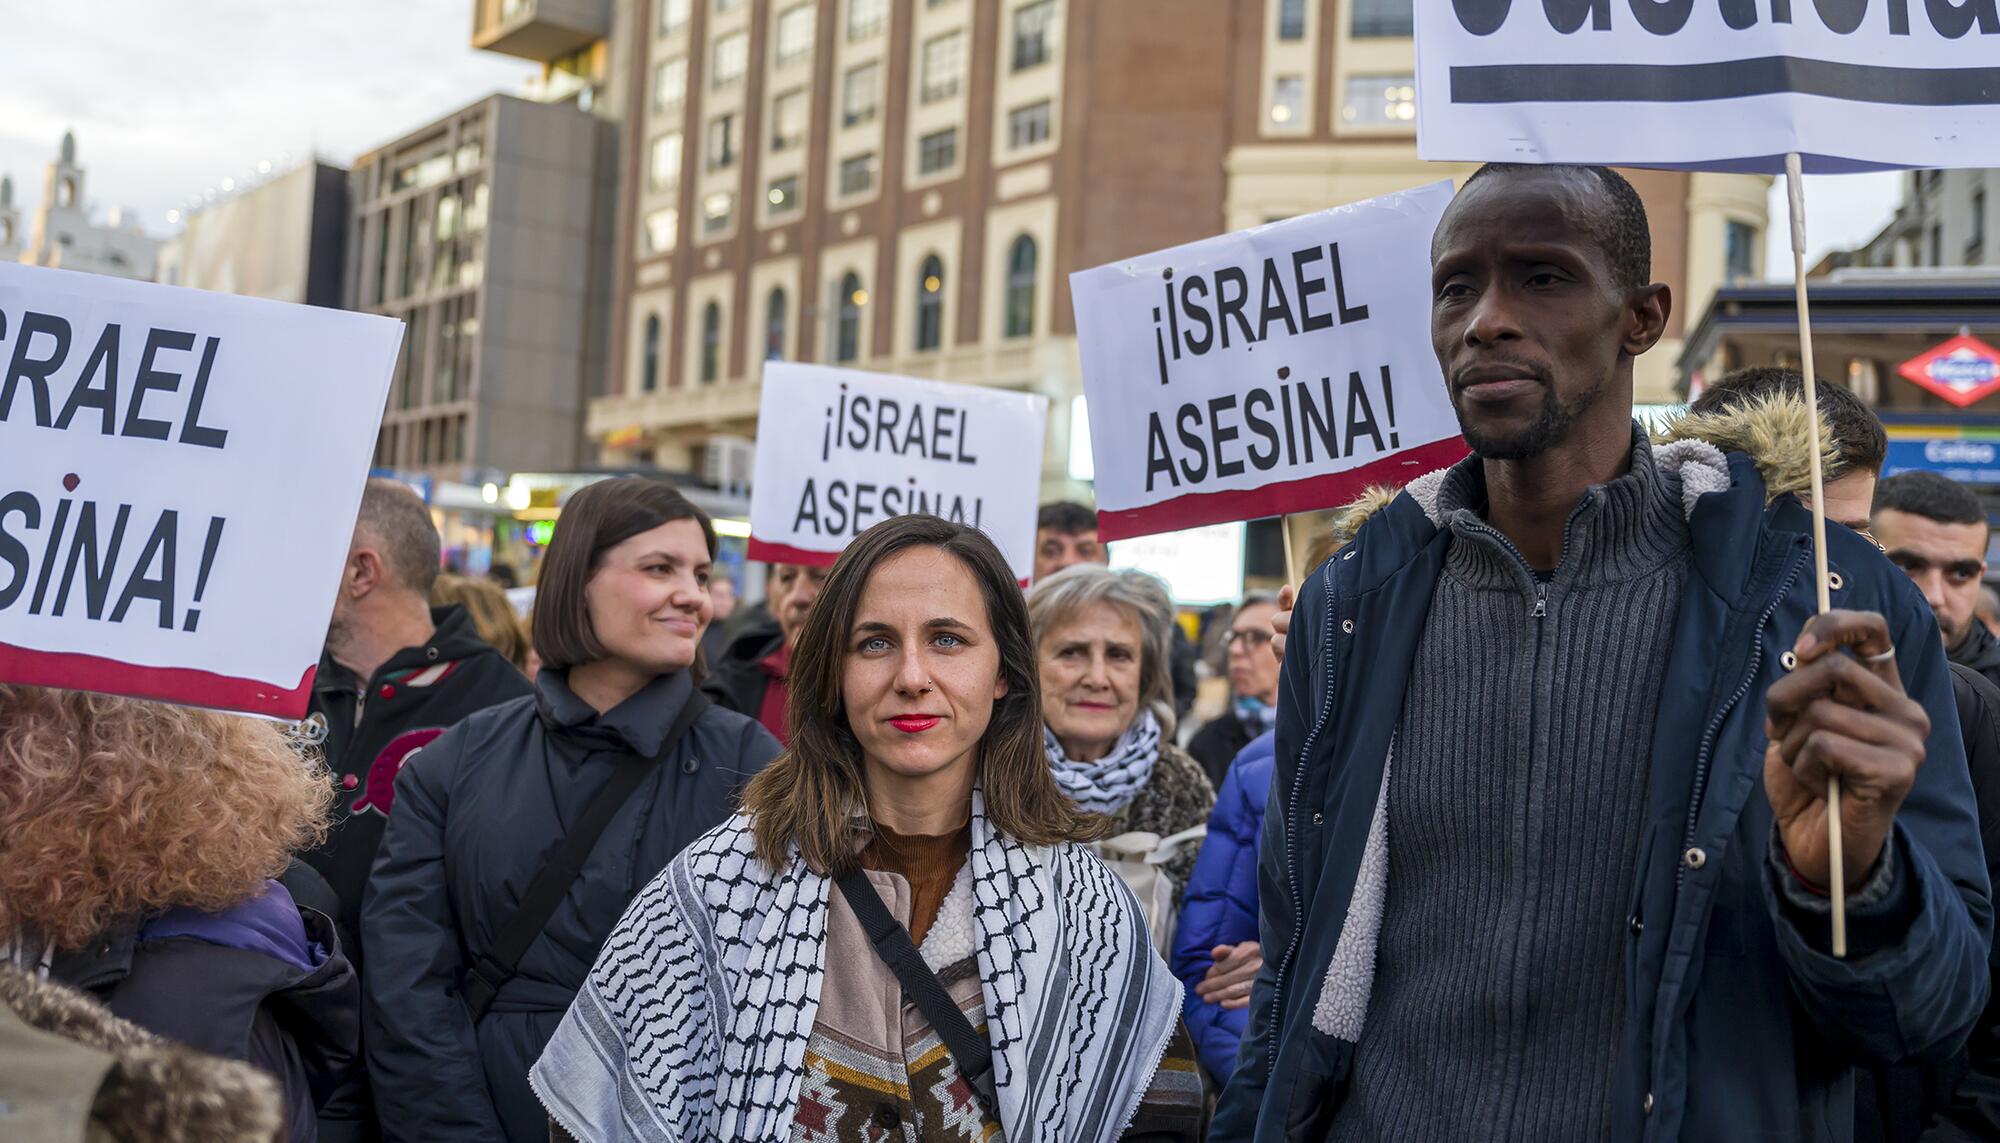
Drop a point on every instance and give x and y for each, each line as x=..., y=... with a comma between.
x=1292, y=829
x=1705, y=755
x=1541, y=609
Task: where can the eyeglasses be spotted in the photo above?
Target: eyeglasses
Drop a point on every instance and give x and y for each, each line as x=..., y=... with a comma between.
x=1252, y=637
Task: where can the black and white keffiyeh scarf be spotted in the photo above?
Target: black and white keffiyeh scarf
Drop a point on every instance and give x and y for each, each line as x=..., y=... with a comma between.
x=1110, y=783
x=692, y=1026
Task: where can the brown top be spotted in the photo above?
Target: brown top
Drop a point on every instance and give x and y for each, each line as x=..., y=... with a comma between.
x=929, y=862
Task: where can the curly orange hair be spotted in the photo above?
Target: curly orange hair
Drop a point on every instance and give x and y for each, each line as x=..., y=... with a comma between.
x=111, y=807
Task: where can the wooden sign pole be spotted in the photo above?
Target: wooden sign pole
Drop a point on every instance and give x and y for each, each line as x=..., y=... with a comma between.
x=1795, y=186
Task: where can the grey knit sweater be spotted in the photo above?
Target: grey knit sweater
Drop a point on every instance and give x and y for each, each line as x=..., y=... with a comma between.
x=1519, y=781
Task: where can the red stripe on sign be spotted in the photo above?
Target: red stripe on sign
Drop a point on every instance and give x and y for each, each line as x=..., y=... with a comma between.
x=1314, y=492
x=770, y=553
x=183, y=685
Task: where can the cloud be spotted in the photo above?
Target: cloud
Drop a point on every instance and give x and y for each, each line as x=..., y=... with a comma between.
x=169, y=99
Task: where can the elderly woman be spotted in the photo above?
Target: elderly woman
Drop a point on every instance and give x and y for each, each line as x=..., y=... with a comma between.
x=900, y=937
x=1102, y=643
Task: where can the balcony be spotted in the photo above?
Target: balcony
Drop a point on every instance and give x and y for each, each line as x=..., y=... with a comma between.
x=542, y=30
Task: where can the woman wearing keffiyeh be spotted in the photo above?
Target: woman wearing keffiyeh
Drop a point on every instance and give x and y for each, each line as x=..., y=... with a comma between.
x=741, y=1000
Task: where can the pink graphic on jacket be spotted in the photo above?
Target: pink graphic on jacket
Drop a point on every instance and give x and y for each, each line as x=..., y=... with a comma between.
x=380, y=792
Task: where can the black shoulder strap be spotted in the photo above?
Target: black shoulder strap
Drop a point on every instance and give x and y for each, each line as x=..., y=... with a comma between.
x=496, y=965
x=892, y=943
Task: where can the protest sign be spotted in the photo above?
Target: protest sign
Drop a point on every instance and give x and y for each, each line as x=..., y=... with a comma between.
x=839, y=450
x=1274, y=370
x=1713, y=84
x=182, y=471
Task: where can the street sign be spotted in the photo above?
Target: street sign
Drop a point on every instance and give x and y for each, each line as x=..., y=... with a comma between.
x=1966, y=461
x=1961, y=370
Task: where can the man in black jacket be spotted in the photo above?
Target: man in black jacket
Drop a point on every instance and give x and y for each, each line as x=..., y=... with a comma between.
x=752, y=675
x=395, y=674
x=1933, y=528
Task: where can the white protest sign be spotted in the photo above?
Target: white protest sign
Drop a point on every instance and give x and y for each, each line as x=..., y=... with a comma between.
x=1274, y=370
x=182, y=471
x=839, y=450
x=1714, y=84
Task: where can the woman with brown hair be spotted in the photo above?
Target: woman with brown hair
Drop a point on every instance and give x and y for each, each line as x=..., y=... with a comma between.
x=900, y=937
x=139, y=843
x=520, y=834
x=492, y=616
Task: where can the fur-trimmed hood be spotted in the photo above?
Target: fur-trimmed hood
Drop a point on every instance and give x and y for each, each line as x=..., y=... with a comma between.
x=1771, y=431
x=152, y=1089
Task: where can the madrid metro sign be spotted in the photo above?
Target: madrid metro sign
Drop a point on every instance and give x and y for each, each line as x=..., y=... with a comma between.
x=1961, y=370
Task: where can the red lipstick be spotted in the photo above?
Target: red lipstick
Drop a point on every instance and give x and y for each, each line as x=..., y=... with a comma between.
x=914, y=723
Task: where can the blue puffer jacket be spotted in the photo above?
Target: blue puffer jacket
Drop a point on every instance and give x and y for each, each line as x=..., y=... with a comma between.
x=1221, y=905
x=1738, y=1022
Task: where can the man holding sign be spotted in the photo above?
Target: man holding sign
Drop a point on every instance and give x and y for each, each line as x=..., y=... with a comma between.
x=1539, y=863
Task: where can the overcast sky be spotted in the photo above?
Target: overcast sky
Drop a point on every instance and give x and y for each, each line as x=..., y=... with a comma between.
x=169, y=98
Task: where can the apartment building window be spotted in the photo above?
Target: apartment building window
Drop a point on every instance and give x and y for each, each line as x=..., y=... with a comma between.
x=670, y=82
x=774, y=325
x=721, y=142
x=866, y=17
x=788, y=120
x=711, y=343
x=1975, y=246
x=1936, y=245
x=1027, y=126
x=1291, y=19
x=1034, y=34
x=662, y=230
x=663, y=167
x=937, y=151
x=795, y=33
x=649, y=373
x=729, y=59
x=857, y=175
x=1021, y=261
x=674, y=15
x=847, y=322
x=1739, y=251
x=1375, y=100
x=717, y=211
x=858, y=98
x=1288, y=99
x=783, y=195
x=930, y=304
x=1382, y=19
x=943, y=66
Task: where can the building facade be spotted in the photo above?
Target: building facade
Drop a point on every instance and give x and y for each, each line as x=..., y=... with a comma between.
x=906, y=185
x=11, y=237
x=1947, y=220
x=65, y=237
x=482, y=232
x=283, y=239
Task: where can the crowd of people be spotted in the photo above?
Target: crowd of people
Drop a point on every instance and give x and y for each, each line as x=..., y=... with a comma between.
x=1513, y=824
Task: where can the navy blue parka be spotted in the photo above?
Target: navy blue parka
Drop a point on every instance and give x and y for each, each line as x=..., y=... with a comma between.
x=1739, y=1023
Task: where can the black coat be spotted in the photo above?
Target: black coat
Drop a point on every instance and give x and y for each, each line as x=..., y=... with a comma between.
x=736, y=678
x=1979, y=650
x=478, y=813
x=1958, y=1099
x=1217, y=744
x=372, y=728
x=221, y=994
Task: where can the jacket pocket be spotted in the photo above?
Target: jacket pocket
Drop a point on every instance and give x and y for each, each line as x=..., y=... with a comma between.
x=1318, y=1087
